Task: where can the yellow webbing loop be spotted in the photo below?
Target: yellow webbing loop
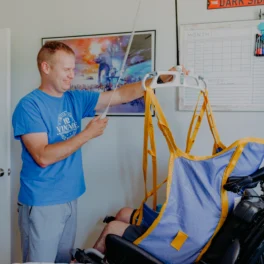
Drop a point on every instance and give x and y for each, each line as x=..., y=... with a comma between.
x=150, y=100
x=136, y=220
x=149, y=134
x=192, y=133
x=191, y=137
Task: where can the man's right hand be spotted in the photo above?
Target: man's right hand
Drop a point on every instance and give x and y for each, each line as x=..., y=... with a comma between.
x=96, y=127
x=46, y=154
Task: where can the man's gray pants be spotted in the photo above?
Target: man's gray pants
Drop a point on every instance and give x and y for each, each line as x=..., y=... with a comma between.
x=47, y=232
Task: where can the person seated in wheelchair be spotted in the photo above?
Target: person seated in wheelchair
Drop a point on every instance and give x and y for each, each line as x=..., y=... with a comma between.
x=123, y=227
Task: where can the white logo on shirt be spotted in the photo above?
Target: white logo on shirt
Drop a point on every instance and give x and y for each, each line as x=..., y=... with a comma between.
x=67, y=126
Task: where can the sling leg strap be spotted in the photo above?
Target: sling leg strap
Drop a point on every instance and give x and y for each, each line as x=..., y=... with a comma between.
x=191, y=136
x=138, y=215
x=192, y=133
x=210, y=117
x=149, y=134
x=136, y=220
x=150, y=100
x=146, y=137
x=162, y=122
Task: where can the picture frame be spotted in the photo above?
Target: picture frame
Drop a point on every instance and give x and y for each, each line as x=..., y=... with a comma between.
x=99, y=58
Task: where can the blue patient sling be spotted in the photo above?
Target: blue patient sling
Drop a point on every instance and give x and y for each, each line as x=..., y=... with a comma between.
x=196, y=203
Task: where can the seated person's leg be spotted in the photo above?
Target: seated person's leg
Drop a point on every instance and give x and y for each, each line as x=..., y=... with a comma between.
x=121, y=227
x=116, y=228
x=125, y=215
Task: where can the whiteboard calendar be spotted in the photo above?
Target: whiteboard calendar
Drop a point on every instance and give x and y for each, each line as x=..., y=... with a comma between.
x=223, y=53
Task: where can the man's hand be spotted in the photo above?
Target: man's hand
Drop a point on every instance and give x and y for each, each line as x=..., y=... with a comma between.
x=96, y=127
x=185, y=71
x=168, y=78
x=46, y=154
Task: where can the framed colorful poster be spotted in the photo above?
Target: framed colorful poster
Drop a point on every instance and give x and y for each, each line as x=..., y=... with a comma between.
x=99, y=59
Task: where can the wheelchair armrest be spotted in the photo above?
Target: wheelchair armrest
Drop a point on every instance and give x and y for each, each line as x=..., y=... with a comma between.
x=237, y=184
x=119, y=250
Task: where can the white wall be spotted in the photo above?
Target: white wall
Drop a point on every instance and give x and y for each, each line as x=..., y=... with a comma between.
x=112, y=163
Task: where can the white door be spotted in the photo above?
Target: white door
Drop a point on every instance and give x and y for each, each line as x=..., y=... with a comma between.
x=5, y=125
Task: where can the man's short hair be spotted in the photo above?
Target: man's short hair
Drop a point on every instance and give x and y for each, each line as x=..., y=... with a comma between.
x=49, y=49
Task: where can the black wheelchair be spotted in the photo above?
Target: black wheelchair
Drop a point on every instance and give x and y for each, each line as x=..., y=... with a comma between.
x=240, y=240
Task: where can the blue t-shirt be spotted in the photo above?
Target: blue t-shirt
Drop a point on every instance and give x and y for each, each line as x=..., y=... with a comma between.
x=60, y=118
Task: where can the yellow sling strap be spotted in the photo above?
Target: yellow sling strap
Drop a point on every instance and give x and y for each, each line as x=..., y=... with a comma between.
x=138, y=217
x=192, y=136
x=224, y=197
x=192, y=133
x=151, y=100
x=162, y=123
x=210, y=117
x=149, y=134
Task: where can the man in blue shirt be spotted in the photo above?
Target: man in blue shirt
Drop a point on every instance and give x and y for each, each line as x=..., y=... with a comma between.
x=47, y=121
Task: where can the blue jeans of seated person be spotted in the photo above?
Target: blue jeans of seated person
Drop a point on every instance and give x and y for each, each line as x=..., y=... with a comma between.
x=47, y=232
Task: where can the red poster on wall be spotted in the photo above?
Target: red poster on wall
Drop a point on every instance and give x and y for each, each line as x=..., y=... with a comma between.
x=216, y=4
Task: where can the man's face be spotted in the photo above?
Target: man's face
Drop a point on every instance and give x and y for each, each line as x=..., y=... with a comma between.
x=61, y=72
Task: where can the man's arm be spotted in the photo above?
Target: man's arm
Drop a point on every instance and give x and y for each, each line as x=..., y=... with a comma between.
x=128, y=92
x=124, y=94
x=46, y=154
